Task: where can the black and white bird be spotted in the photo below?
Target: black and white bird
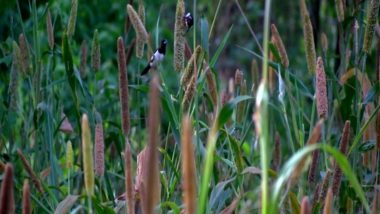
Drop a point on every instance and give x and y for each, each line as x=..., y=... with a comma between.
x=188, y=20
x=156, y=58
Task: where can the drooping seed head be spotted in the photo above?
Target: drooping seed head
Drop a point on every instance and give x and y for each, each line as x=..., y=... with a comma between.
x=280, y=46
x=137, y=24
x=140, y=42
x=189, y=71
x=36, y=181
x=309, y=45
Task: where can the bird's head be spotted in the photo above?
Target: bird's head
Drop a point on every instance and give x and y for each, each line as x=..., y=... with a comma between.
x=164, y=42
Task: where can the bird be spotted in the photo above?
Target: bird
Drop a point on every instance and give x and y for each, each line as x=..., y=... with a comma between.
x=188, y=20
x=156, y=58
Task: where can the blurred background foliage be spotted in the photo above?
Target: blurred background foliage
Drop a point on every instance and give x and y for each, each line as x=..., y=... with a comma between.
x=109, y=17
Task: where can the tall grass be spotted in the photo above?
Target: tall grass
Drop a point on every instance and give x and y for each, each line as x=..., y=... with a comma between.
x=246, y=126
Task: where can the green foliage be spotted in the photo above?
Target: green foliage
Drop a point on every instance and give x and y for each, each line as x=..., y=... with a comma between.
x=233, y=158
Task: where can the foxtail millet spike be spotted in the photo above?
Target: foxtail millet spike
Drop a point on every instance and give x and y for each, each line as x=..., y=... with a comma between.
x=123, y=86
x=280, y=46
x=179, y=36
x=87, y=154
x=343, y=145
x=137, y=24
x=188, y=167
x=73, y=18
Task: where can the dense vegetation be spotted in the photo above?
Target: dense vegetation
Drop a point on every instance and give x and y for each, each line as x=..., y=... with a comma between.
x=259, y=107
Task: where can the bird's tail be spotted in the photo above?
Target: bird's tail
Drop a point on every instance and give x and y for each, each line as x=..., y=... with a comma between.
x=146, y=69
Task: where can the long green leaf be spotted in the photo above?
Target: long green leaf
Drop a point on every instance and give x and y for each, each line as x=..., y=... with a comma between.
x=220, y=48
x=291, y=165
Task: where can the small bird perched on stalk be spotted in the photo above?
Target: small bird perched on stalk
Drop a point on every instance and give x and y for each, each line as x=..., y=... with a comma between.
x=156, y=58
x=189, y=21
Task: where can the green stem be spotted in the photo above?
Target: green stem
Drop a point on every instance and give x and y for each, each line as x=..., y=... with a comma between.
x=263, y=110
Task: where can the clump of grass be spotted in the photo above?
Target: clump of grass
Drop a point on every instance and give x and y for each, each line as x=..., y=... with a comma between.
x=179, y=36
x=337, y=177
x=7, y=201
x=26, y=205
x=95, y=52
x=50, y=30
x=372, y=14
x=88, y=164
x=137, y=24
x=73, y=18
x=311, y=57
x=188, y=167
x=128, y=179
x=123, y=86
x=321, y=91
x=99, y=147
x=280, y=46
